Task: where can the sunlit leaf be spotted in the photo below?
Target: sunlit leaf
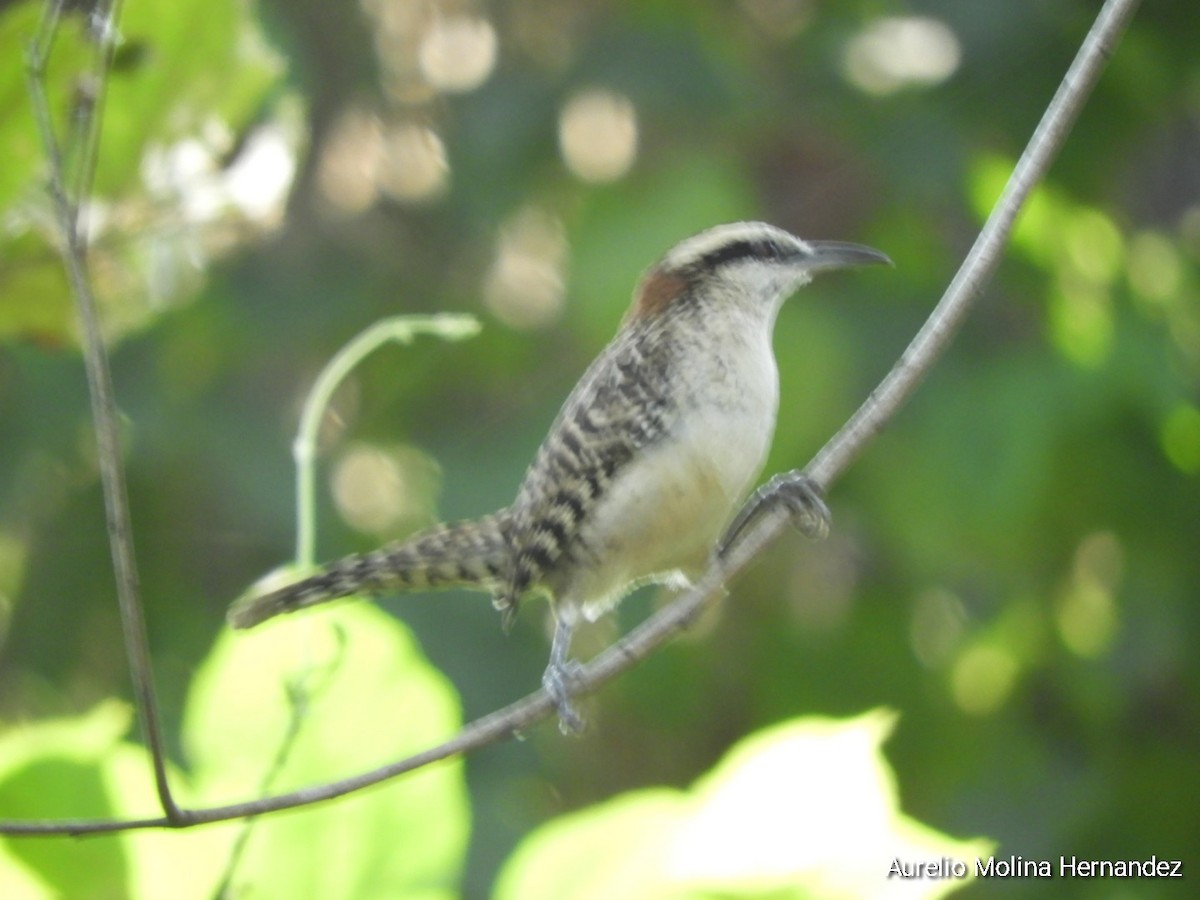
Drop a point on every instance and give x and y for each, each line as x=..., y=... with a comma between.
x=56, y=769
x=367, y=697
x=808, y=808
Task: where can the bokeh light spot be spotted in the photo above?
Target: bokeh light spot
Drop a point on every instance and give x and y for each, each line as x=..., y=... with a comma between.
x=1181, y=438
x=896, y=52
x=982, y=678
x=525, y=285
x=598, y=132
x=415, y=168
x=378, y=490
x=1087, y=614
x=260, y=177
x=1094, y=246
x=351, y=158
x=1155, y=270
x=1081, y=323
x=458, y=53
x=937, y=627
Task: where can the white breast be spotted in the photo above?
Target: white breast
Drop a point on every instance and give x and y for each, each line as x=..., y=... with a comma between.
x=663, y=514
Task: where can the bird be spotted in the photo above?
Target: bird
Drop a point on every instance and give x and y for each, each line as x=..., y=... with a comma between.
x=647, y=464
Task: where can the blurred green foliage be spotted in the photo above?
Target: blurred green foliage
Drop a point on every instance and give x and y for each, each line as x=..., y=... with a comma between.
x=1013, y=568
x=183, y=70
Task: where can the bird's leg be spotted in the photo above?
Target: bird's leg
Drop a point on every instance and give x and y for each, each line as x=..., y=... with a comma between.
x=798, y=494
x=560, y=676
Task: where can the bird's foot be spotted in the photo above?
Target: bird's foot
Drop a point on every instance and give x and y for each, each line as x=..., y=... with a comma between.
x=798, y=494
x=559, y=679
x=801, y=496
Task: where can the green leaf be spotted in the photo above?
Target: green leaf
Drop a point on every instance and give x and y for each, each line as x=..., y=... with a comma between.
x=56, y=769
x=79, y=768
x=808, y=808
x=368, y=697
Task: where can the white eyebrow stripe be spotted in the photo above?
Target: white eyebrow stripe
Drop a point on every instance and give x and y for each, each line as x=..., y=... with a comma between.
x=706, y=243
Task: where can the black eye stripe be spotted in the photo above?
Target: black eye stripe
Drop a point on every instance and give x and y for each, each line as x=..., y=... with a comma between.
x=760, y=248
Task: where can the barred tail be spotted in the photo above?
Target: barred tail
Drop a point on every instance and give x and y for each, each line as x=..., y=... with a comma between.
x=462, y=554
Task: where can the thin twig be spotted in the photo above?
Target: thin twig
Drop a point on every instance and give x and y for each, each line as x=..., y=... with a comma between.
x=400, y=329
x=503, y=723
x=104, y=409
x=825, y=468
x=301, y=690
x=88, y=116
x=870, y=418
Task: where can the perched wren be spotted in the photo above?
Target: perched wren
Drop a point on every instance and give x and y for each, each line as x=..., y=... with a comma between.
x=647, y=462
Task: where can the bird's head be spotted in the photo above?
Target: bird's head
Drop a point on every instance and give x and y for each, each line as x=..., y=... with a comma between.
x=751, y=261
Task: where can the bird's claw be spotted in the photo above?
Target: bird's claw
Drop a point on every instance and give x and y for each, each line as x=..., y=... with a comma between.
x=798, y=494
x=558, y=680
x=508, y=607
x=801, y=496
